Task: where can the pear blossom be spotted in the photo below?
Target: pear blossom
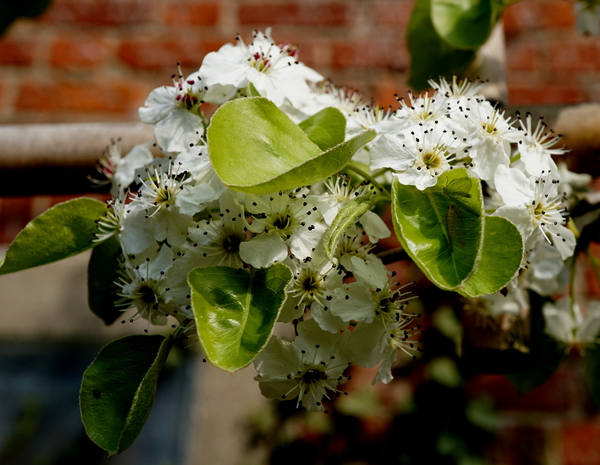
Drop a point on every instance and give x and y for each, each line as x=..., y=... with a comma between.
x=567, y=324
x=281, y=220
x=312, y=287
x=535, y=208
x=175, y=112
x=217, y=241
x=489, y=135
x=308, y=368
x=535, y=147
x=420, y=158
x=273, y=71
x=142, y=286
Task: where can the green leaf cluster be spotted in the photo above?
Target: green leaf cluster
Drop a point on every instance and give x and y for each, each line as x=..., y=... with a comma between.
x=252, y=132
x=444, y=230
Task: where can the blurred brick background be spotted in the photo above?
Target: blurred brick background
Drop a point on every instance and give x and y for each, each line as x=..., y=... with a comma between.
x=97, y=60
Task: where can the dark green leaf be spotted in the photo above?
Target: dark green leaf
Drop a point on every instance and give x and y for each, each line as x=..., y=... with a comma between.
x=60, y=232
x=326, y=128
x=236, y=311
x=441, y=227
x=101, y=281
x=430, y=55
x=345, y=218
x=119, y=387
x=501, y=257
x=464, y=24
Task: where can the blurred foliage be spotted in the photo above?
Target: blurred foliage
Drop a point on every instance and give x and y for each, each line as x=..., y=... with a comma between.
x=423, y=416
x=11, y=10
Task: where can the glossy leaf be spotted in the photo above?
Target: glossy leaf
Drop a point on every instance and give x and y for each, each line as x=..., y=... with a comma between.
x=236, y=311
x=326, y=128
x=101, y=281
x=255, y=148
x=345, y=218
x=119, y=387
x=60, y=232
x=441, y=227
x=430, y=55
x=501, y=257
x=464, y=24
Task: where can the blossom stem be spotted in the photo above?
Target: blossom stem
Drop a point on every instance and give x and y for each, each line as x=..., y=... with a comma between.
x=180, y=328
x=573, y=272
x=393, y=255
x=354, y=167
x=595, y=263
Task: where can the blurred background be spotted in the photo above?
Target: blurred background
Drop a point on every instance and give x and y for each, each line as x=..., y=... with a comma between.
x=96, y=61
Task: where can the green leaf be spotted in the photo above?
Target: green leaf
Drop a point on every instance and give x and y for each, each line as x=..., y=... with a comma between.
x=591, y=361
x=430, y=55
x=464, y=24
x=236, y=311
x=345, y=218
x=501, y=257
x=546, y=352
x=441, y=227
x=255, y=148
x=326, y=128
x=60, y=232
x=102, y=274
x=119, y=387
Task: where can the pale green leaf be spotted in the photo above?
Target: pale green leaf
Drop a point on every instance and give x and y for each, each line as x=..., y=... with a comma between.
x=236, y=311
x=326, y=128
x=255, y=148
x=441, y=227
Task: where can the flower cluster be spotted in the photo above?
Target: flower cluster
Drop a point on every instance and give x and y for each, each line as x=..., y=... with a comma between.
x=171, y=213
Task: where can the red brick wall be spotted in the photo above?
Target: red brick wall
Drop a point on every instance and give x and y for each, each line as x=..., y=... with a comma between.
x=96, y=60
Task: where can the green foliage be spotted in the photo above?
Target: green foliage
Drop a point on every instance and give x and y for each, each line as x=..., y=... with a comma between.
x=252, y=132
x=236, y=311
x=345, y=218
x=118, y=389
x=60, y=232
x=101, y=277
x=446, y=246
x=501, y=256
x=463, y=24
x=444, y=231
x=546, y=352
x=430, y=55
x=326, y=128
